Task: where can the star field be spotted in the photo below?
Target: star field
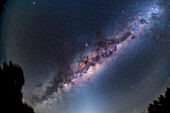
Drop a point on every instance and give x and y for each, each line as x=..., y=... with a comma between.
x=84, y=56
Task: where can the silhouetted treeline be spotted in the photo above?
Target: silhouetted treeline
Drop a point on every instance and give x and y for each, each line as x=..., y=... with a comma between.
x=11, y=82
x=162, y=104
x=1, y=5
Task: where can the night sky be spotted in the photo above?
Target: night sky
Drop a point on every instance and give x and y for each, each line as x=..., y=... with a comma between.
x=89, y=56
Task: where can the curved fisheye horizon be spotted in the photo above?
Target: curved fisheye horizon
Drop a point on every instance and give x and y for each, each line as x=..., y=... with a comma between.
x=88, y=56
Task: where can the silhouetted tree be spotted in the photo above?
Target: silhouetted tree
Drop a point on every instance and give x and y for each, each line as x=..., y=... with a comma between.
x=1, y=5
x=162, y=104
x=11, y=82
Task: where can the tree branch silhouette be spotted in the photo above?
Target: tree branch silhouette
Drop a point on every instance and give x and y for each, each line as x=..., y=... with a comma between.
x=162, y=104
x=12, y=80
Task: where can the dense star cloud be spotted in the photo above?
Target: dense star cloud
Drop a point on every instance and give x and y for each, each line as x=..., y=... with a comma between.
x=89, y=56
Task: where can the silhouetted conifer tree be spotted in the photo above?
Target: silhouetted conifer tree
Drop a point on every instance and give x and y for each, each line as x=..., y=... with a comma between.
x=162, y=104
x=11, y=82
